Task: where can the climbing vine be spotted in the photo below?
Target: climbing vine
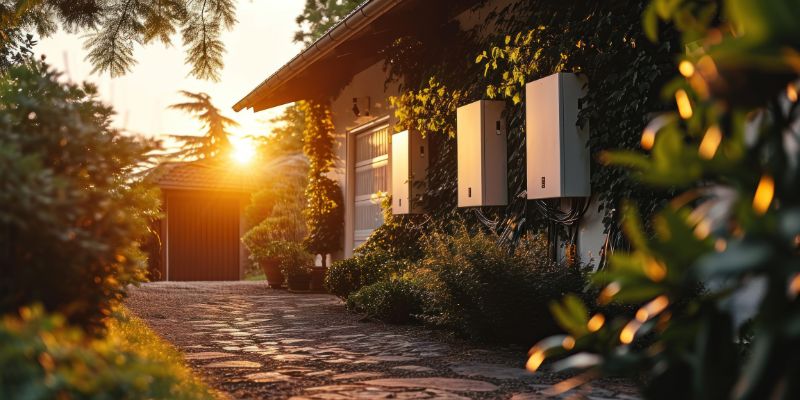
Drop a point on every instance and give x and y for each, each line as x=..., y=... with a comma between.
x=604, y=41
x=324, y=212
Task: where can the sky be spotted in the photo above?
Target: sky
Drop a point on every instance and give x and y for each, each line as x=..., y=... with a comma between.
x=259, y=44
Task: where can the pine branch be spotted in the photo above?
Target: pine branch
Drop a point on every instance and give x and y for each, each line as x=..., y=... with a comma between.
x=111, y=48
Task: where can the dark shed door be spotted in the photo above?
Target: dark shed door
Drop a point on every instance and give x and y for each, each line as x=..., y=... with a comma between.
x=203, y=241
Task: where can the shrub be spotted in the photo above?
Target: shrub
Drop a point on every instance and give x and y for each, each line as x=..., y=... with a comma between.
x=398, y=235
x=71, y=213
x=395, y=300
x=486, y=292
x=268, y=239
x=42, y=358
x=347, y=276
x=294, y=260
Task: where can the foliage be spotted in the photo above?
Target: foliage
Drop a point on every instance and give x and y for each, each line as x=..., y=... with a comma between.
x=215, y=141
x=114, y=28
x=283, y=197
x=485, y=292
x=349, y=275
x=429, y=110
x=320, y=15
x=71, y=210
x=737, y=235
x=602, y=40
x=395, y=301
x=15, y=48
x=267, y=240
x=399, y=235
x=286, y=137
x=324, y=211
x=294, y=260
x=43, y=358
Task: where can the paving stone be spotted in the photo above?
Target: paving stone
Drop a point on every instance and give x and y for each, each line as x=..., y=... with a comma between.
x=413, y=368
x=290, y=357
x=234, y=364
x=493, y=371
x=528, y=396
x=207, y=355
x=356, y=375
x=268, y=377
x=380, y=359
x=458, y=385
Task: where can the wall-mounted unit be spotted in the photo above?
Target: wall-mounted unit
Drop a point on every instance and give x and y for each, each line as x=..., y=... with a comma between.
x=409, y=166
x=482, y=154
x=557, y=156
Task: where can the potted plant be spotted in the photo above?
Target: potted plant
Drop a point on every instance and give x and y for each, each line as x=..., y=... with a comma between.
x=264, y=250
x=296, y=263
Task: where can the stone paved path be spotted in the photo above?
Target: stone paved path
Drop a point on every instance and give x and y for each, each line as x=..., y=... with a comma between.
x=253, y=342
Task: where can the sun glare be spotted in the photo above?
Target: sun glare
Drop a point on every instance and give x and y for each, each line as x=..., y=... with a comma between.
x=243, y=150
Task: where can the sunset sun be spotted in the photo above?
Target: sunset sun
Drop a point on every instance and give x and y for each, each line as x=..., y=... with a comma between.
x=243, y=150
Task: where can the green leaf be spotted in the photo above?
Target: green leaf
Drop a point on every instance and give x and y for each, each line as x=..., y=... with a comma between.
x=572, y=315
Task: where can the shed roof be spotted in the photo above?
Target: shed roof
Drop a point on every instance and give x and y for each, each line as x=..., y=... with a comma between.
x=350, y=46
x=206, y=175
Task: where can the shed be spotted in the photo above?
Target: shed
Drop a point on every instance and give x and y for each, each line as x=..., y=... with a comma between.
x=199, y=234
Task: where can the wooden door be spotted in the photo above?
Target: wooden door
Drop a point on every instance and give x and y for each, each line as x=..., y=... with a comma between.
x=203, y=237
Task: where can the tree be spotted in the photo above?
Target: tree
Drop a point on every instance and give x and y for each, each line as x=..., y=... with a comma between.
x=215, y=141
x=15, y=48
x=72, y=210
x=320, y=15
x=735, y=131
x=114, y=27
x=286, y=137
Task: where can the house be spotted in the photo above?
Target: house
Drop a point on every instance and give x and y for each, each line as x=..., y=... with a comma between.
x=202, y=224
x=346, y=68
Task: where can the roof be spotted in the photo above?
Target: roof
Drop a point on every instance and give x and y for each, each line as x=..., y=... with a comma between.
x=350, y=46
x=206, y=175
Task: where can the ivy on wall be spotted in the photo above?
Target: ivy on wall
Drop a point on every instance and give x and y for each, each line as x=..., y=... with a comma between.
x=520, y=43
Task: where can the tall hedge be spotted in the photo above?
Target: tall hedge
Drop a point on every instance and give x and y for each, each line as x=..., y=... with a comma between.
x=71, y=214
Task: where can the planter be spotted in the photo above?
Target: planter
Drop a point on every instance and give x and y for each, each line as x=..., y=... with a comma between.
x=318, y=278
x=273, y=272
x=299, y=281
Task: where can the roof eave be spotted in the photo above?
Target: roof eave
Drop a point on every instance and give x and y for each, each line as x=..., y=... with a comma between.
x=359, y=19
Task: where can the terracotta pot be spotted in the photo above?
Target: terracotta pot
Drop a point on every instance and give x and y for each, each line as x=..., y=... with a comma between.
x=299, y=281
x=273, y=272
x=318, y=278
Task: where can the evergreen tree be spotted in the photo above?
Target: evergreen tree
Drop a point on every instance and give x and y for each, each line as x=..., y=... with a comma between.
x=320, y=15
x=114, y=27
x=215, y=140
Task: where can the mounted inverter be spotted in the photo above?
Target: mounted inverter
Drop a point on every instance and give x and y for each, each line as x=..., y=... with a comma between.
x=557, y=153
x=409, y=167
x=482, y=157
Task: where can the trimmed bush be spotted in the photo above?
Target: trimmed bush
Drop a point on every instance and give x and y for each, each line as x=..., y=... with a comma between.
x=43, y=358
x=486, y=292
x=72, y=212
x=349, y=275
x=395, y=301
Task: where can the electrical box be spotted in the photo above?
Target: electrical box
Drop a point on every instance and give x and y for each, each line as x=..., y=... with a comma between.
x=557, y=156
x=481, y=136
x=409, y=168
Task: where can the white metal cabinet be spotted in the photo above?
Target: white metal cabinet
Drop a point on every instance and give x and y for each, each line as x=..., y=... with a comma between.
x=557, y=156
x=409, y=168
x=482, y=158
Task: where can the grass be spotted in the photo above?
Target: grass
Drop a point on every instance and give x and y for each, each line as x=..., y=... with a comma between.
x=255, y=276
x=42, y=357
x=130, y=334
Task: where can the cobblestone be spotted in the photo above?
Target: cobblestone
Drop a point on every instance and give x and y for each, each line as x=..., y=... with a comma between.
x=252, y=342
